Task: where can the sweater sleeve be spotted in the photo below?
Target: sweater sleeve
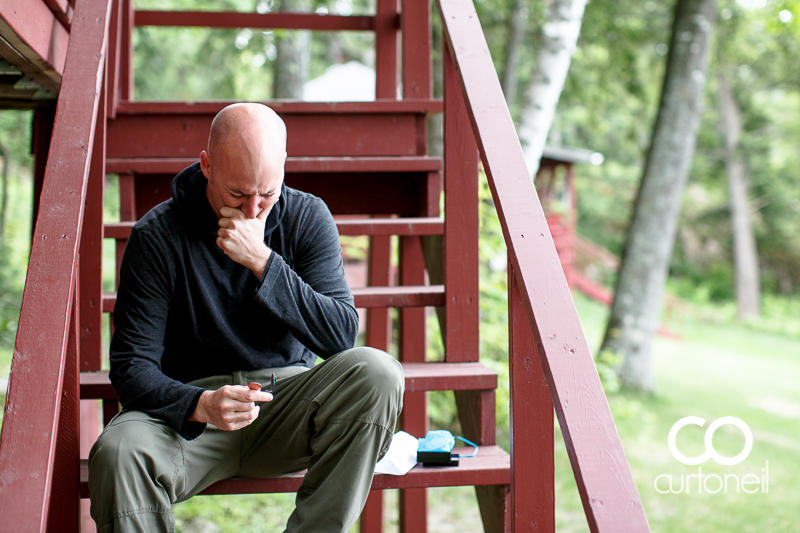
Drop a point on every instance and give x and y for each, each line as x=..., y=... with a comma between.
x=313, y=300
x=137, y=347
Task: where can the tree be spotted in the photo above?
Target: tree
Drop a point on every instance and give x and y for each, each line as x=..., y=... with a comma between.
x=559, y=38
x=636, y=309
x=745, y=255
x=294, y=56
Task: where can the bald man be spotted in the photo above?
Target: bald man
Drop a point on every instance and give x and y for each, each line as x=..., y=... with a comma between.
x=236, y=278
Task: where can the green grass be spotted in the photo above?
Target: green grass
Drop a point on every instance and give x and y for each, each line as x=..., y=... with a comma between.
x=715, y=370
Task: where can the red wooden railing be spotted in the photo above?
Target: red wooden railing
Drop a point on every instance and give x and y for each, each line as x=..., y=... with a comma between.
x=549, y=357
x=543, y=320
x=39, y=449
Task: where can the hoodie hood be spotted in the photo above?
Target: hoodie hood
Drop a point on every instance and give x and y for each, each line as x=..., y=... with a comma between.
x=189, y=195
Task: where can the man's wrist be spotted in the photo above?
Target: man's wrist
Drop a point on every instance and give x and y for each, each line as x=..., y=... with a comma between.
x=260, y=264
x=197, y=415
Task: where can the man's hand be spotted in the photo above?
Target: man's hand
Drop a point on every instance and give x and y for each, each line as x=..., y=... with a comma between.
x=242, y=239
x=230, y=407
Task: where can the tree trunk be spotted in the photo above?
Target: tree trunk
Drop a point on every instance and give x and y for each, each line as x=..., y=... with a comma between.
x=294, y=55
x=516, y=23
x=559, y=39
x=636, y=310
x=748, y=283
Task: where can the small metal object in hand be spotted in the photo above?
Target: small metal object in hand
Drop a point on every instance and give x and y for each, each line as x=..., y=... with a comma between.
x=271, y=387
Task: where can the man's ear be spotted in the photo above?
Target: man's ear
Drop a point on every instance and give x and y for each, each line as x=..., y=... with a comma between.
x=205, y=164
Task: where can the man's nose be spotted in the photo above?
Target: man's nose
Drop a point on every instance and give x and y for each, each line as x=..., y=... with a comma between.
x=251, y=207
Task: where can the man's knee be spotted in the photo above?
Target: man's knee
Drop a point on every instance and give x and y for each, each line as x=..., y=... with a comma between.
x=136, y=454
x=378, y=369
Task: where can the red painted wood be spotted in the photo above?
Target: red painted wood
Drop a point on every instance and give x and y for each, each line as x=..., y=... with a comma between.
x=607, y=490
x=387, y=24
x=379, y=268
x=31, y=28
x=461, y=224
x=367, y=297
x=126, y=52
x=366, y=226
x=414, y=417
x=91, y=251
x=372, y=516
x=30, y=424
x=232, y=19
x=489, y=467
x=127, y=197
x=59, y=9
x=173, y=165
x=416, y=27
x=532, y=439
x=63, y=512
x=286, y=107
x=418, y=377
x=325, y=134
x=114, y=52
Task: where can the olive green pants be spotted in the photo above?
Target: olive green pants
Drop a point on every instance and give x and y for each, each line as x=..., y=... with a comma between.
x=336, y=419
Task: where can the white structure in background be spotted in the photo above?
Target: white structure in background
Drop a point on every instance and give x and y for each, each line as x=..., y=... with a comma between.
x=346, y=82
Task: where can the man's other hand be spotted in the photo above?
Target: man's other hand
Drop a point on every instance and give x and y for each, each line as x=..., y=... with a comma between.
x=230, y=407
x=242, y=238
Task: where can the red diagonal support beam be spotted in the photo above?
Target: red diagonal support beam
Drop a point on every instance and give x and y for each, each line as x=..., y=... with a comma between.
x=610, y=499
x=31, y=419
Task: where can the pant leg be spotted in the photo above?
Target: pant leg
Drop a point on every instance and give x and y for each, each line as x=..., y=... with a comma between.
x=139, y=467
x=337, y=420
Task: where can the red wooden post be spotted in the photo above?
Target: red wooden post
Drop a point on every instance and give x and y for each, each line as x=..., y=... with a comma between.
x=413, y=502
x=64, y=503
x=115, y=30
x=416, y=27
x=378, y=335
x=126, y=51
x=461, y=223
x=532, y=439
x=386, y=50
x=91, y=284
x=127, y=198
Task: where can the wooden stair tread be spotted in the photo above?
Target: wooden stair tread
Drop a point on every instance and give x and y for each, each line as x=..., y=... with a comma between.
x=491, y=466
x=294, y=165
x=419, y=106
x=350, y=226
x=419, y=377
x=365, y=297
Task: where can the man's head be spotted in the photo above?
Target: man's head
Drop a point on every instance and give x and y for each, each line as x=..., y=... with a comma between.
x=244, y=160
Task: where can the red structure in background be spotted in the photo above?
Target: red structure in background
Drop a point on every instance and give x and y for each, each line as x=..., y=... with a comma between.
x=367, y=159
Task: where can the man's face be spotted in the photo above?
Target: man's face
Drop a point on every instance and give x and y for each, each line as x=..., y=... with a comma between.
x=231, y=185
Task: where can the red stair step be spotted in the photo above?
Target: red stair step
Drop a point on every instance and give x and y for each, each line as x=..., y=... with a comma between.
x=294, y=165
x=365, y=297
x=491, y=466
x=419, y=377
x=349, y=226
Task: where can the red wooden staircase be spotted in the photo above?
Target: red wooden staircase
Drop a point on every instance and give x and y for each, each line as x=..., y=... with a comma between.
x=368, y=161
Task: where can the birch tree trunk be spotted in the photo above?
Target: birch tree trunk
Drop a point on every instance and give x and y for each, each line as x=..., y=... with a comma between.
x=516, y=23
x=745, y=254
x=559, y=39
x=636, y=310
x=294, y=55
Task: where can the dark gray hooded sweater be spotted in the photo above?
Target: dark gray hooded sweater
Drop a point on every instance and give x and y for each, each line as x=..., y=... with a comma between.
x=186, y=311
